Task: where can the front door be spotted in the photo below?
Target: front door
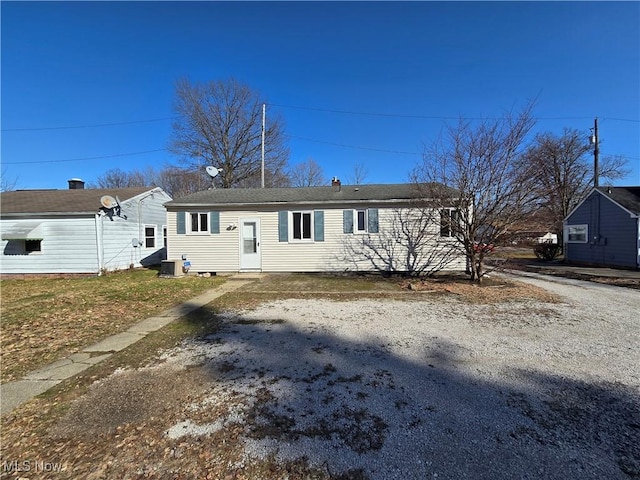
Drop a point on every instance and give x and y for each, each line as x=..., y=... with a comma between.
x=250, y=244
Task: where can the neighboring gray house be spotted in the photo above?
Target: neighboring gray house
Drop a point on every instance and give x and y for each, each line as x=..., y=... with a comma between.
x=604, y=229
x=70, y=231
x=307, y=229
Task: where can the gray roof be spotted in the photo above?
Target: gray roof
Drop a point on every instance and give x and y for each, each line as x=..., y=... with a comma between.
x=628, y=197
x=346, y=194
x=62, y=201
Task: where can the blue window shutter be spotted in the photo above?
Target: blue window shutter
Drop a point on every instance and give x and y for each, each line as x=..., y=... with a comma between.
x=372, y=215
x=318, y=226
x=347, y=221
x=180, y=223
x=214, y=222
x=283, y=226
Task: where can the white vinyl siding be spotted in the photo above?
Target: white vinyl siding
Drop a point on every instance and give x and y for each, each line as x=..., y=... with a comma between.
x=220, y=253
x=84, y=244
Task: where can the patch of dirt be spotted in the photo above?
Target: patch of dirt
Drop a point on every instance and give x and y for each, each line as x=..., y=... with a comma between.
x=130, y=396
x=490, y=291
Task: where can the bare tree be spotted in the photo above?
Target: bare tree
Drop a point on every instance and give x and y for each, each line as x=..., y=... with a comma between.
x=307, y=174
x=7, y=184
x=565, y=172
x=117, y=178
x=480, y=162
x=359, y=175
x=220, y=123
x=408, y=243
x=179, y=182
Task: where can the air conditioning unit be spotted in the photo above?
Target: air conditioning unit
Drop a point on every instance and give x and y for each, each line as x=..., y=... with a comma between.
x=171, y=268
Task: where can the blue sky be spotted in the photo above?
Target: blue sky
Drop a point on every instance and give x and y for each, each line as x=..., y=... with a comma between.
x=402, y=69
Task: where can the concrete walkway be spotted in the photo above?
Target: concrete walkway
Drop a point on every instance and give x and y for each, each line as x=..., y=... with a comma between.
x=12, y=394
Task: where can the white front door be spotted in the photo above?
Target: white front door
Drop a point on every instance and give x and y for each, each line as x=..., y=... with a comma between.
x=250, y=244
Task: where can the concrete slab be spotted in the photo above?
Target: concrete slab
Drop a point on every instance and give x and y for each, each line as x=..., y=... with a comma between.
x=13, y=394
x=59, y=372
x=115, y=343
x=91, y=360
x=151, y=324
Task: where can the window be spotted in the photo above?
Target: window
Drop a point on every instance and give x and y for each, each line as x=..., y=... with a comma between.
x=301, y=225
x=149, y=236
x=577, y=233
x=199, y=222
x=164, y=235
x=360, y=221
x=361, y=224
x=32, y=246
x=449, y=222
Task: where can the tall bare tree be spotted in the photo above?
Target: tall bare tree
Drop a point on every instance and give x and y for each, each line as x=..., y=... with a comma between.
x=307, y=174
x=480, y=162
x=220, y=123
x=359, y=174
x=565, y=173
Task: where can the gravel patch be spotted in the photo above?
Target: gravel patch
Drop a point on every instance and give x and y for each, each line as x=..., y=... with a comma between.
x=435, y=388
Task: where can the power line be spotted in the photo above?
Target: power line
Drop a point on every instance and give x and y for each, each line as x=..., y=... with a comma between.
x=96, y=125
x=298, y=107
x=433, y=117
x=353, y=146
x=87, y=158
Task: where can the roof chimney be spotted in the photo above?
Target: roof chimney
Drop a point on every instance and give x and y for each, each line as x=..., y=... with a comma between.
x=76, y=184
x=335, y=183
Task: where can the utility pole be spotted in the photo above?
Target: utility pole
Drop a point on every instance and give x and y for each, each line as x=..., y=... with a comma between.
x=596, y=151
x=264, y=117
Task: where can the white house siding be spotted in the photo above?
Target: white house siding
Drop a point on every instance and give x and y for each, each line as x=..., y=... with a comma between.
x=221, y=252
x=68, y=246
x=71, y=245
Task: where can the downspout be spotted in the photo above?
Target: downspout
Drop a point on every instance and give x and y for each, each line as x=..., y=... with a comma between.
x=99, y=242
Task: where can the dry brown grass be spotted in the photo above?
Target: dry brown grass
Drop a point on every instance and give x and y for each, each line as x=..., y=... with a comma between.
x=46, y=319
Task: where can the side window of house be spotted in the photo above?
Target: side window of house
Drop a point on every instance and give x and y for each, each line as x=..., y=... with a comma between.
x=449, y=222
x=150, y=236
x=32, y=246
x=164, y=235
x=577, y=233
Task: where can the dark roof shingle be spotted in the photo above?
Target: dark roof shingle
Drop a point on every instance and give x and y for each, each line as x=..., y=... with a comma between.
x=628, y=197
x=308, y=195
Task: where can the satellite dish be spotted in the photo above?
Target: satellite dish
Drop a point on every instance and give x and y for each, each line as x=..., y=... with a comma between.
x=108, y=201
x=212, y=171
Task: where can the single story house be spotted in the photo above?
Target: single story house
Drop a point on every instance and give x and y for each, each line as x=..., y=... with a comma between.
x=81, y=230
x=307, y=229
x=604, y=229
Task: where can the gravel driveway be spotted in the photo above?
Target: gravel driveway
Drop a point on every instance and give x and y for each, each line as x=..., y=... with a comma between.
x=432, y=388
